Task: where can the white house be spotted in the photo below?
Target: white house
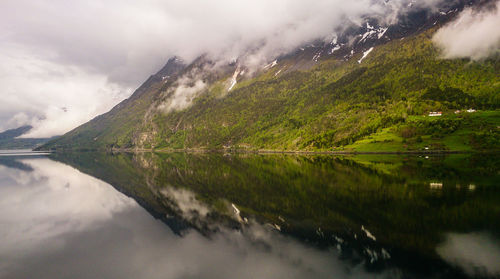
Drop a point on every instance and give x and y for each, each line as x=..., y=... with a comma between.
x=435, y=113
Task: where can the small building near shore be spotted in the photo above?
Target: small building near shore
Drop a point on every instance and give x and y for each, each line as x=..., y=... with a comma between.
x=435, y=113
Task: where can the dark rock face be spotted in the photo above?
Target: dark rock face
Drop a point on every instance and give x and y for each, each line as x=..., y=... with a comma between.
x=173, y=66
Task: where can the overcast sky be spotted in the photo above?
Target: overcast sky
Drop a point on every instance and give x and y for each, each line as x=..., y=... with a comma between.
x=64, y=62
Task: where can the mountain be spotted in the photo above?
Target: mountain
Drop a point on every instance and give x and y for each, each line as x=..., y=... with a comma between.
x=13, y=133
x=9, y=140
x=371, y=88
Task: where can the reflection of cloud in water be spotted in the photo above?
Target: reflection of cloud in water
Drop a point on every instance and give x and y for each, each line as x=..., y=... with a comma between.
x=13, y=176
x=478, y=254
x=134, y=245
x=51, y=200
x=65, y=224
x=186, y=202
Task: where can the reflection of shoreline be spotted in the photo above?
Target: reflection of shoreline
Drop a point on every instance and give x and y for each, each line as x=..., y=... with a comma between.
x=314, y=198
x=23, y=153
x=297, y=152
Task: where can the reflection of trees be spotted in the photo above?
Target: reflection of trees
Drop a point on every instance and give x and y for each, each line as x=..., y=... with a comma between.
x=390, y=196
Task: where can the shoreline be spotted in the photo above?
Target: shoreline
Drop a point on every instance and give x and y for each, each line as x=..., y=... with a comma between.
x=296, y=152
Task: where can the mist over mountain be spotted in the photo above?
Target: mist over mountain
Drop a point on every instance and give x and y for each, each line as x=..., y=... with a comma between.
x=473, y=34
x=62, y=66
x=363, y=79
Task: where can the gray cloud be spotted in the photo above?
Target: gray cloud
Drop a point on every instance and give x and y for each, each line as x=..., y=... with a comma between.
x=53, y=97
x=186, y=88
x=474, y=34
x=63, y=63
x=478, y=253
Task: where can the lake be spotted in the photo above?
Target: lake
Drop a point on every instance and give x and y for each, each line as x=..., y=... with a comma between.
x=214, y=215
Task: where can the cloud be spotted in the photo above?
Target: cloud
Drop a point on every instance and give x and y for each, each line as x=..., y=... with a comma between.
x=186, y=89
x=185, y=200
x=478, y=253
x=51, y=97
x=474, y=34
x=86, y=56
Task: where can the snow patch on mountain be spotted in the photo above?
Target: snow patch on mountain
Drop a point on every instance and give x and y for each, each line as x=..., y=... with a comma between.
x=373, y=33
x=381, y=32
x=234, y=79
x=334, y=40
x=270, y=65
x=335, y=48
x=317, y=56
x=365, y=54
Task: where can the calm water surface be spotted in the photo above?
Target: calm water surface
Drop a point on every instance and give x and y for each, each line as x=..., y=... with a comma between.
x=96, y=215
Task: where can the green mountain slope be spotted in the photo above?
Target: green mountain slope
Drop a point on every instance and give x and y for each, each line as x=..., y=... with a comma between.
x=376, y=105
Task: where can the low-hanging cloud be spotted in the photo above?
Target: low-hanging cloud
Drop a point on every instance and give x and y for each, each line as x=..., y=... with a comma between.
x=474, y=34
x=50, y=96
x=62, y=63
x=186, y=90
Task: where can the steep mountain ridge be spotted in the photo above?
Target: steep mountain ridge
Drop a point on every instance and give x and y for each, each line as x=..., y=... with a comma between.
x=315, y=98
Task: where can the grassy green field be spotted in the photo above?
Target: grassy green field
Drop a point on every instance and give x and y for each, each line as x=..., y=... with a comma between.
x=478, y=130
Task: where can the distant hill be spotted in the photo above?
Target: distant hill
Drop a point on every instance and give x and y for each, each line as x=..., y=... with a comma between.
x=13, y=133
x=9, y=140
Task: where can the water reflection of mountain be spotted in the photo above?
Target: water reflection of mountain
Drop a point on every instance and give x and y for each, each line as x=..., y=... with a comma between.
x=14, y=163
x=384, y=209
